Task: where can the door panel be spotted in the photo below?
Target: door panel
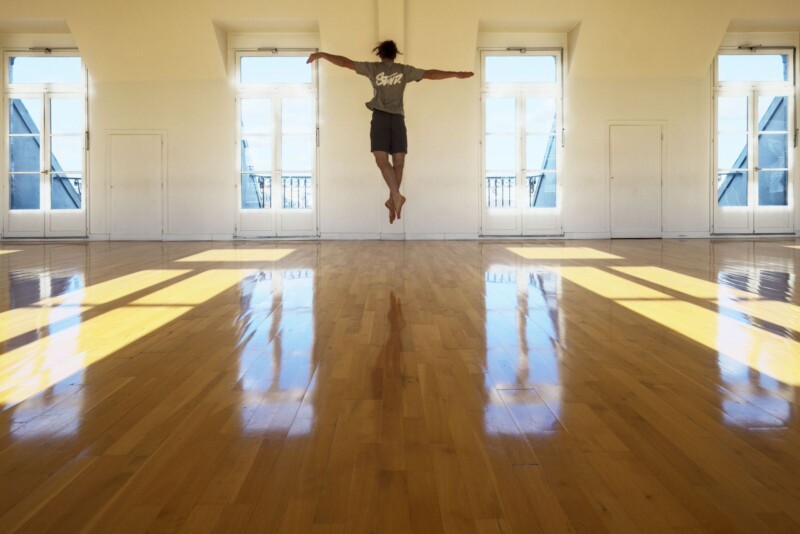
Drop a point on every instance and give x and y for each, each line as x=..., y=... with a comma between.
x=636, y=175
x=136, y=180
x=754, y=163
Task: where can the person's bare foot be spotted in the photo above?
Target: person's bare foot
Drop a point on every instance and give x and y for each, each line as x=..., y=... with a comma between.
x=390, y=207
x=399, y=204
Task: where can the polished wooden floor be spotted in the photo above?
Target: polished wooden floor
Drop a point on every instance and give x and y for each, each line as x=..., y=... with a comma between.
x=320, y=387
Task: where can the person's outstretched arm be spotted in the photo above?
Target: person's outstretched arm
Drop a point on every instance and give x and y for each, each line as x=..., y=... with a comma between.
x=339, y=61
x=444, y=74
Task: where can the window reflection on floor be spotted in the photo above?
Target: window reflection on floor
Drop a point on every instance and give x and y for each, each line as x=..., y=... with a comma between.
x=522, y=326
x=26, y=289
x=277, y=310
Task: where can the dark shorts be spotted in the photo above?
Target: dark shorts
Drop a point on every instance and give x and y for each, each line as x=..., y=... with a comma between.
x=388, y=133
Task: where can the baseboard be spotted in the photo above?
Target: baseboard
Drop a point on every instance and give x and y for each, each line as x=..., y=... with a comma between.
x=587, y=235
x=440, y=236
x=686, y=235
x=198, y=237
x=349, y=236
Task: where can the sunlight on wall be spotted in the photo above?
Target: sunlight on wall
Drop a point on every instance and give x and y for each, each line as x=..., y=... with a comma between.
x=8, y=251
x=234, y=255
x=561, y=253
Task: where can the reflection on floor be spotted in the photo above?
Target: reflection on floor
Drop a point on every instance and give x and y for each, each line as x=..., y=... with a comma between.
x=598, y=386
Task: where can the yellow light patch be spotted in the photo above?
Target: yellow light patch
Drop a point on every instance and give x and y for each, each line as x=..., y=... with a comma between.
x=7, y=251
x=37, y=366
x=239, y=255
x=762, y=351
x=783, y=314
x=109, y=291
x=195, y=290
x=31, y=369
x=688, y=285
x=19, y=321
x=606, y=284
x=49, y=311
x=562, y=253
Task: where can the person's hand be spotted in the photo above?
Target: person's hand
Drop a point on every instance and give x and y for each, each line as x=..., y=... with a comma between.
x=464, y=75
x=313, y=57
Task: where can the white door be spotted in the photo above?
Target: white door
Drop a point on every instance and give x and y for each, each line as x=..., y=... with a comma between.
x=754, y=142
x=46, y=158
x=44, y=141
x=635, y=174
x=277, y=125
x=136, y=185
x=522, y=142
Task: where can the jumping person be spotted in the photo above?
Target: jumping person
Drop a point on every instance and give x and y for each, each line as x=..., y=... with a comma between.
x=388, y=130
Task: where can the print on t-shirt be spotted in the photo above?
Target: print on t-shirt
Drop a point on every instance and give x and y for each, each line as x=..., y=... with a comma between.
x=389, y=80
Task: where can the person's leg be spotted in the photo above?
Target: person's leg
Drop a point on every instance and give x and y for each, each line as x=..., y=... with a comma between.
x=398, y=163
x=387, y=171
x=398, y=149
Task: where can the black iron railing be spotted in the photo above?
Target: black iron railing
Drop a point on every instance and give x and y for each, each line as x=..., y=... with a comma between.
x=501, y=192
x=296, y=192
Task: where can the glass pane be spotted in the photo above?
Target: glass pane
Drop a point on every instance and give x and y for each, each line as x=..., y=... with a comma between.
x=540, y=115
x=66, y=115
x=297, y=115
x=753, y=68
x=732, y=188
x=772, y=151
x=501, y=192
x=501, y=115
x=256, y=153
x=296, y=192
x=256, y=191
x=521, y=69
x=67, y=153
x=542, y=190
x=501, y=152
x=45, y=70
x=24, y=189
x=732, y=114
x=772, y=113
x=256, y=115
x=66, y=191
x=540, y=152
x=297, y=153
x=732, y=151
x=772, y=188
x=25, y=153
x=25, y=115
x=275, y=70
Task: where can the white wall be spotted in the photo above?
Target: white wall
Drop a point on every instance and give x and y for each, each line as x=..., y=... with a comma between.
x=623, y=64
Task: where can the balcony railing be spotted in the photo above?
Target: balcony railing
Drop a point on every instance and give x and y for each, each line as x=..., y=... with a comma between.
x=256, y=191
x=501, y=192
x=296, y=192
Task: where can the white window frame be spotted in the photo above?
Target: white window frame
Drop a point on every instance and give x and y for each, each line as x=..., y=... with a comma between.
x=275, y=92
x=45, y=91
x=522, y=91
x=788, y=88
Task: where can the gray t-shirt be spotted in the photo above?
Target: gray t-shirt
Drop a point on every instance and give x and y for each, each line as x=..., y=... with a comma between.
x=389, y=80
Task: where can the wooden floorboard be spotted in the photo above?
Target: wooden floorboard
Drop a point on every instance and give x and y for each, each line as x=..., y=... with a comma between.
x=431, y=387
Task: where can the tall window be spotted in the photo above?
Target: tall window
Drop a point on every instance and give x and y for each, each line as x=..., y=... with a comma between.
x=278, y=142
x=754, y=140
x=45, y=143
x=522, y=94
